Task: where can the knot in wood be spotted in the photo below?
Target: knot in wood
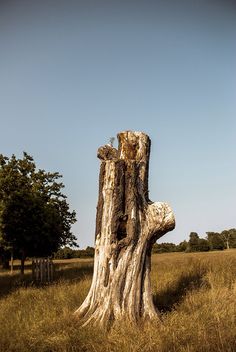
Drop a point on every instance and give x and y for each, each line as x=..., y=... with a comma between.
x=107, y=152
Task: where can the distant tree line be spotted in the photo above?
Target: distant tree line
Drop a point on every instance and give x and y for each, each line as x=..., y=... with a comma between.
x=69, y=253
x=213, y=241
x=35, y=219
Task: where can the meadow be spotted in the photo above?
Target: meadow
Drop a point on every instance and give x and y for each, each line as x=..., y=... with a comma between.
x=195, y=292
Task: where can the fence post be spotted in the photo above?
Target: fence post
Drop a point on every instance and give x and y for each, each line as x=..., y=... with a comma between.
x=42, y=270
x=51, y=270
x=33, y=269
x=37, y=270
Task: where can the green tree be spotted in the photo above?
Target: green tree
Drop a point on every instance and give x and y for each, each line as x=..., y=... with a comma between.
x=68, y=253
x=215, y=241
x=182, y=246
x=35, y=219
x=197, y=244
x=229, y=238
x=65, y=253
x=232, y=240
x=193, y=242
x=164, y=247
x=90, y=251
x=203, y=245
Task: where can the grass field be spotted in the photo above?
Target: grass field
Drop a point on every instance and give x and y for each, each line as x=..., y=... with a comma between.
x=196, y=294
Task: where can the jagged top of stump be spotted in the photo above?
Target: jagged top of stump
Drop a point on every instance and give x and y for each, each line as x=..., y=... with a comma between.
x=133, y=145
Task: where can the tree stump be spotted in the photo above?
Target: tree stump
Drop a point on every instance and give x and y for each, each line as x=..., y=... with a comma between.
x=127, y=226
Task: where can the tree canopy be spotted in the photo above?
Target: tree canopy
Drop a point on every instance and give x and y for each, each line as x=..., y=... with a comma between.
x=35, y=219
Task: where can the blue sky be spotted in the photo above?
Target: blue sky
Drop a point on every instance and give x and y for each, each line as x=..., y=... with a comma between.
x=75, y=73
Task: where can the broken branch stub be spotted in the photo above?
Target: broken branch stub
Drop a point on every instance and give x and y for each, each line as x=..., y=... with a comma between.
x=127, y=225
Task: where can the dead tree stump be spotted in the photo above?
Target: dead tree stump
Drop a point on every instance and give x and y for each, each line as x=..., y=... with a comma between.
x=127, y=226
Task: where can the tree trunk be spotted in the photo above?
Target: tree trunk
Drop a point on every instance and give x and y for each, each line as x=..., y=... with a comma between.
x=127, y=225
x=4, y=261
x=12, y=261
x=22, y=263
x=227, y=243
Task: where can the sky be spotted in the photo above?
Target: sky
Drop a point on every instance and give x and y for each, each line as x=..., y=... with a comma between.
x=75, y=73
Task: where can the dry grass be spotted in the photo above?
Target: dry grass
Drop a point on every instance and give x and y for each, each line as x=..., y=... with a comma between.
x=195, y=292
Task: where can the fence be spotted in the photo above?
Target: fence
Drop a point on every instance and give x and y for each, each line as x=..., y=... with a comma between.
x=42, y=270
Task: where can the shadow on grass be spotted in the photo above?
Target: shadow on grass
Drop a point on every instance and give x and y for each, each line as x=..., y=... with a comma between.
x=166, y=300
x=10, y=283
x=73, y=273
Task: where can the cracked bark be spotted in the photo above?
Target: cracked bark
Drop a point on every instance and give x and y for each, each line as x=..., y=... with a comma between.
x=127, y=225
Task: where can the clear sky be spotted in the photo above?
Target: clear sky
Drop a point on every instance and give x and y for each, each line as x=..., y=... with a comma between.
x=75, y=73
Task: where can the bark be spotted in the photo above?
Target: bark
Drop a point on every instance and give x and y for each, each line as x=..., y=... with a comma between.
x=127, y=225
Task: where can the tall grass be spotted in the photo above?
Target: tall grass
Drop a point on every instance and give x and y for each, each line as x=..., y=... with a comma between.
x=196, y=294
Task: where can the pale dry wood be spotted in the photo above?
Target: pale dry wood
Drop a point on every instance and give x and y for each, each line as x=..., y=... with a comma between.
x=127, y=225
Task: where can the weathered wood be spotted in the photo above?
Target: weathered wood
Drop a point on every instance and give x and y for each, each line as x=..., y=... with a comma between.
x=127, y=225
x=42, y=270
